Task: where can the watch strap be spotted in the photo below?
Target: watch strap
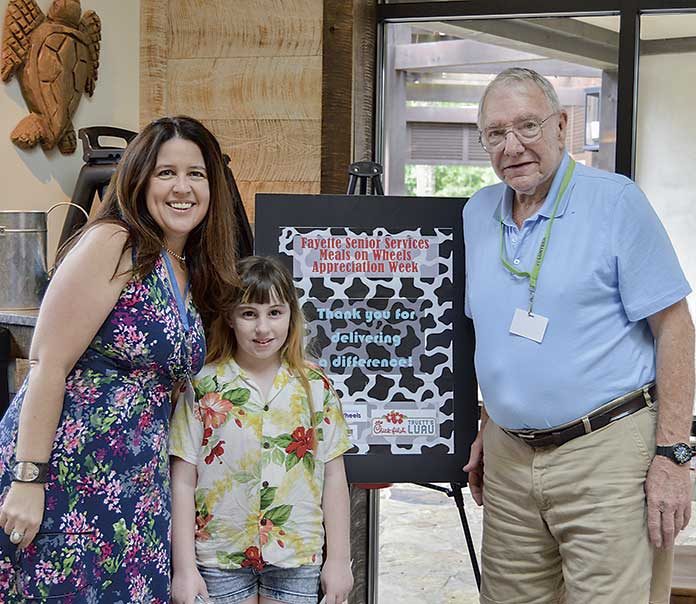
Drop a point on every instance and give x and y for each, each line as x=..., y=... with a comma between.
x=41, y=477
x=664, y=451
x=669, y=451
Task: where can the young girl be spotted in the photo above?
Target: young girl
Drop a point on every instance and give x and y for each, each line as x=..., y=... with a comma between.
x=257, y=463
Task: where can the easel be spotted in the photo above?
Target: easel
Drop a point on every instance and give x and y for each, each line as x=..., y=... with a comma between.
x=455, y=491
x=362, y=172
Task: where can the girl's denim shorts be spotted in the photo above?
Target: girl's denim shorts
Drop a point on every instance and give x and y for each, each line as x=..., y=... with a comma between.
x=289, y=585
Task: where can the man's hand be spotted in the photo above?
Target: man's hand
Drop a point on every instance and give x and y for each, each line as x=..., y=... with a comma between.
x=668, y=489
x=475, y=468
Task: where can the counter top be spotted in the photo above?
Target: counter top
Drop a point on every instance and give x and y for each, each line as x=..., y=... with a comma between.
x=20, y=324
x=18, y=317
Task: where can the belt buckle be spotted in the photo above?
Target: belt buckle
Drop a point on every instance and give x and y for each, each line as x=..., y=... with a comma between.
x=526, y=435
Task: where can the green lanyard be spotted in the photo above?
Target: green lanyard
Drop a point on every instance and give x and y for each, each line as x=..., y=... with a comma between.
x=543, y=246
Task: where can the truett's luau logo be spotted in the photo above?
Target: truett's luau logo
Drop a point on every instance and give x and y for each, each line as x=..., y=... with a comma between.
x=397, y=423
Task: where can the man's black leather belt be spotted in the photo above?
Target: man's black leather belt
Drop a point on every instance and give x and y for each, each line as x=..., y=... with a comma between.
x=585, y=425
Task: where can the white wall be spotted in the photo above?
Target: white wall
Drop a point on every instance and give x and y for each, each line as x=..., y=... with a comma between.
x=666, y=153
x=34, y=180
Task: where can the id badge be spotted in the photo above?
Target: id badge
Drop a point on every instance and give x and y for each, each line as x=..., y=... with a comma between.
x=532, y=327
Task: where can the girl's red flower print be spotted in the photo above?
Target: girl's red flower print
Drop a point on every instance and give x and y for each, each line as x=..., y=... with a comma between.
x=253, y=558
x=202, y=533
x=217, y=451
x=214, y=409
x=265, y=527
x=302, y=441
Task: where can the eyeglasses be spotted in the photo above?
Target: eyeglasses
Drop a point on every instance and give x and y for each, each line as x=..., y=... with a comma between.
x=527, y=131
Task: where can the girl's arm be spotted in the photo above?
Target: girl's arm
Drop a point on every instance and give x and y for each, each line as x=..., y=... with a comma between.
x=336, y=576
x=187, y=582
x=78, y=300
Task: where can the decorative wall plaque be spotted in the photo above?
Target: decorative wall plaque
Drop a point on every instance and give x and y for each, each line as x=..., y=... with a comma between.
x=56, y=59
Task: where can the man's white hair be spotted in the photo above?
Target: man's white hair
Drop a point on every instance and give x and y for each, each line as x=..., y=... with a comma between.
x=516, y=76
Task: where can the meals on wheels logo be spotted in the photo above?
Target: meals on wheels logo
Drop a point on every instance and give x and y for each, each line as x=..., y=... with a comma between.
x=404, y=423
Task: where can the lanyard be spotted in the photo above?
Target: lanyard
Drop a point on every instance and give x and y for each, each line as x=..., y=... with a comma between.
x=543, y=246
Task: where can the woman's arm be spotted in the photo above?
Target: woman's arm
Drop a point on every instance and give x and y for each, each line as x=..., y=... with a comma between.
x=187, y=582
x=336, y=576
x=78, y=300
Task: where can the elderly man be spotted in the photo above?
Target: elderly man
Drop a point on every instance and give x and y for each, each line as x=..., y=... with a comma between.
x=578, y=304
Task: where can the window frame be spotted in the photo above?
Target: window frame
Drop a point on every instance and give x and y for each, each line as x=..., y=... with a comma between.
x=629, y=12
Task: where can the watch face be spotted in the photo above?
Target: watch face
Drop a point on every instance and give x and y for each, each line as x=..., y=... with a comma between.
x=26, y=471
x=682, y=453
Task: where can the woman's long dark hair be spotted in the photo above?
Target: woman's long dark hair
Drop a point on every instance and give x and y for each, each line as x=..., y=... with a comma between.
x=210, y=250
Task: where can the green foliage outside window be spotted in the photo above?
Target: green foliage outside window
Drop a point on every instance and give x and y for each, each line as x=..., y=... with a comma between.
x=454, y=180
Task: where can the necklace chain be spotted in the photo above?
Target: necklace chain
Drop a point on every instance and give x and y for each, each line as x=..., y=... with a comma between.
x=173, y=254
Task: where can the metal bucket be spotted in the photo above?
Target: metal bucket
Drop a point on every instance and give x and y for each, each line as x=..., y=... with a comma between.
x=23, y=275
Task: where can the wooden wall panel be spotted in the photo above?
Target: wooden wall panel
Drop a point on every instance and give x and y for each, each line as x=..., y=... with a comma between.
x=248, y=191
x=337, y=90
x=233, y=28
x=154, y=45
x=251, y=70
x=266, y=150
x=364, y=72
x=246, y=88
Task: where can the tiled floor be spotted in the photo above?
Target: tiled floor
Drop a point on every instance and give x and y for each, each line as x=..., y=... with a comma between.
x=423, y=555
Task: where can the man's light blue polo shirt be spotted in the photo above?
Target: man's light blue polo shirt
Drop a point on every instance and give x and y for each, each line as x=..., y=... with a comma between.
x=608, y=266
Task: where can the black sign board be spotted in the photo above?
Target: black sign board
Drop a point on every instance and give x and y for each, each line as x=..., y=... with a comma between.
x=381, y=283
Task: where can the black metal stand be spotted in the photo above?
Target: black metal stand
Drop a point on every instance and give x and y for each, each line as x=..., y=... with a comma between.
x=455, y=491
x=364, y=172
x=100, y=165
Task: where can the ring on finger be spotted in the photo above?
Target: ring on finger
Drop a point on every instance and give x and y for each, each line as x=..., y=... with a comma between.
x=16, y=537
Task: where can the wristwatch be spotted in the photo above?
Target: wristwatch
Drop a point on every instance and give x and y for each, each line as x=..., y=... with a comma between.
x=680, y=453
x=30, y=471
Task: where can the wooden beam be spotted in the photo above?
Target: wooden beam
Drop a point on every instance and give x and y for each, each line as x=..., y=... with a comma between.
x=430, y=56
x=270, y=150
x=364, y=74
x=243, y=28
x=246, y=87
x=337, y=95
x=471, y=93
x=154, y=49
x=556, y=38
x=449, y=115
x=469, y=56
x=667, y=46
x=249, y=189
x=546, y=67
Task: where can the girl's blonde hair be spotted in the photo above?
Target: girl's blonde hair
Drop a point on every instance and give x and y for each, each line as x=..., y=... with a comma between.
x=264, y=279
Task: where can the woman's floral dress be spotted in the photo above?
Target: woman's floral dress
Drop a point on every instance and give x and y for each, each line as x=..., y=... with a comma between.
x=105, y=535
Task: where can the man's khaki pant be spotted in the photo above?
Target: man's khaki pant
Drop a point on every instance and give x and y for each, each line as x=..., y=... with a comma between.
x=569, y=524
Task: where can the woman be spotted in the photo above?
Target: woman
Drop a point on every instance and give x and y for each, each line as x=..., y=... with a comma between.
x=84, y=477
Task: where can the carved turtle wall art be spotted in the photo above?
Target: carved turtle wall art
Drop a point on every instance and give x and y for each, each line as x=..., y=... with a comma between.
x=56, y=60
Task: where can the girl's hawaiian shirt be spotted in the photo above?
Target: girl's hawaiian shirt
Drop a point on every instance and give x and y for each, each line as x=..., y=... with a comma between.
x=260, y=465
